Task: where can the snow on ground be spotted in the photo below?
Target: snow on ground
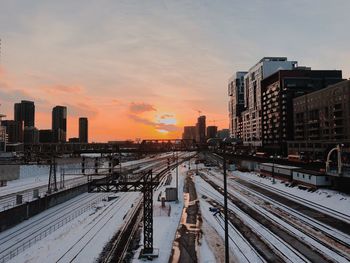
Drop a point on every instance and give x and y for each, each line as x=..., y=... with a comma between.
x=241, y=250
x=205, y=253
x=286, y=225
x=326, y=197
x=32, y=176
x=82, y=239
x=165, y=226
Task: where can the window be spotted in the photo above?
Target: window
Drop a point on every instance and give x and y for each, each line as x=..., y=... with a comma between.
x=303, y=175
x=309, y=177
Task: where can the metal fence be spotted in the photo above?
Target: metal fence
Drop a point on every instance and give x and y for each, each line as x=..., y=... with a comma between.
x=44, y=233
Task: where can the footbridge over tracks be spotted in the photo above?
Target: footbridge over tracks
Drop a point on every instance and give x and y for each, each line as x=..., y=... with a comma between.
x=146, y=146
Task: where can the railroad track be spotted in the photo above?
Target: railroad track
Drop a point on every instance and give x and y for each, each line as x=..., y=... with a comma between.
x=264, y=249
x=9, y=200
x=73, y=252
x=324, y=209
x=125, y=235
x=301, y=246
x=117, y=252
x=14, y=238
x=17, y=239
x=331, y=238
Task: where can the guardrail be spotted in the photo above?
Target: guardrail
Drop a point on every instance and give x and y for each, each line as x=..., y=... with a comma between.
x=28, y=243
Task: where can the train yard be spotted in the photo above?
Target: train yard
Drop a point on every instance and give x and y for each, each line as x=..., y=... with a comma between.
x=266, y=224
x=94, y=214
x=292, y=232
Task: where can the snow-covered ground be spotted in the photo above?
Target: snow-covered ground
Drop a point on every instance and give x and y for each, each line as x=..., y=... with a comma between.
x=299, y=222
x=332, y=199
x=83, y=238
x=61, y=234
x=165, y=226
x=36, y=177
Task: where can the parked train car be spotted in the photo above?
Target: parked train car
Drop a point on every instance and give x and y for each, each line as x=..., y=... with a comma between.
x=312, y=179
x=277, y=170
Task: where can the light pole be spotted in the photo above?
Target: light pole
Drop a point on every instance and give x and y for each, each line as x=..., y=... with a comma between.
x=224, y=143
x=177, y=176
x=225, y=206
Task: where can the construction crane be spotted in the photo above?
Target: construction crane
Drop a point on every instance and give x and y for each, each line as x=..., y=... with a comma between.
x=199, y=112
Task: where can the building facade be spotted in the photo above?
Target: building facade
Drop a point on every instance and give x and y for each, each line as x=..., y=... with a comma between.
x=2, y=135
x=189, y=133
x=321, y=121
x=251, y=117
x=25, y=112
x=278, y=91
x=14, y=130
x=30, y=135
x=59, y=123
x=83, y=130
x=212, y=132
x=46, y=136
x=201, y=129
x=236, y=103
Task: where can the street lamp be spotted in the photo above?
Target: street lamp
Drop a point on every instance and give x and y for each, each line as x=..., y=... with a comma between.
x=224, y=143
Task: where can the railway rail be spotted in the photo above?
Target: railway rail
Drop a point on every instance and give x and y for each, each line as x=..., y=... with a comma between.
x=304, y=248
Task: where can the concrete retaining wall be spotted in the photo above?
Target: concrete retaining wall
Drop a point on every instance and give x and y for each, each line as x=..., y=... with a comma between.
x=18, y=214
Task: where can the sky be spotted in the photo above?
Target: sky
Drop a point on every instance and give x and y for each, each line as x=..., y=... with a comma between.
x=144, y=69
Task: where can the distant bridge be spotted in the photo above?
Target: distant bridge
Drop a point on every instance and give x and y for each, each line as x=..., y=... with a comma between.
x=146, y=146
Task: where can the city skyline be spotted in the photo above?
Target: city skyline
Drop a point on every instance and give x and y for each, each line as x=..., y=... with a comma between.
x=144, y=69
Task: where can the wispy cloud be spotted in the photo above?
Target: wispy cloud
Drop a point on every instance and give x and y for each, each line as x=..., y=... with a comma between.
x=155, y=125
x=138, y=108
x=63, y=89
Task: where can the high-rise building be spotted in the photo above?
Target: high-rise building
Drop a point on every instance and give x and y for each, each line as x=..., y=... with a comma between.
x=2, y=135
x=46, y=136
x=59, y=123
x=321, y=121
x=251, y=117
x=278, y=91
x=200, y=130
x=212, y=132
x=14, y=130
x=25, y=111
x=30, y=135
x=189, y=133
x=236, y=103
x=83, y=130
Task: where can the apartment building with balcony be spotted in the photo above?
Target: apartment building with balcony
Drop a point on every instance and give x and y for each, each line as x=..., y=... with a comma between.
x=278, y=91
x=252, y=115
x=236, y=103
x=321, y=120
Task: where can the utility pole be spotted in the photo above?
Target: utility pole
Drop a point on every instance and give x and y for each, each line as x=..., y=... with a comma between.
x=177, y=176
x=227, y=257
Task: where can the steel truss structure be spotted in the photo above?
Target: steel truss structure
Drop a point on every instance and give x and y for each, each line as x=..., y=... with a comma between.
x=141, y=183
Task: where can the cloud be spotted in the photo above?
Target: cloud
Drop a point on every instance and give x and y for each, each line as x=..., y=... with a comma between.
x=82, y=109
x=10, y=93
x=141, y=120
x=167, y=127
x=61, y=89
x=138, y=108
x=165, y=116
x=155, y=125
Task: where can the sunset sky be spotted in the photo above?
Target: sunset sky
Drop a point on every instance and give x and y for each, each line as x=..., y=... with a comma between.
x=142, y=69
